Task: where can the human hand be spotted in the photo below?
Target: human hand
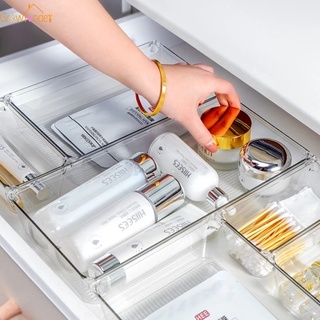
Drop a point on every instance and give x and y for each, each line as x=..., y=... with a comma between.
x=188, y=86
x=9, y=310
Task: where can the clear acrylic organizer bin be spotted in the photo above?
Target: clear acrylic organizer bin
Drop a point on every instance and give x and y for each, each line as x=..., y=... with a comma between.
x=297, y=273
x=257, y=226
x=28, y=115
x=140, y=287
x=168, y=280
x=69, y=177
x=54, y=107
x=24, y=155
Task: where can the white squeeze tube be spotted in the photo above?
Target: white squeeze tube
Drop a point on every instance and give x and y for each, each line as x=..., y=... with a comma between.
x=145, y=239
x=199, y=180
x=81, y=203
x=134, y=212
x=20, y=170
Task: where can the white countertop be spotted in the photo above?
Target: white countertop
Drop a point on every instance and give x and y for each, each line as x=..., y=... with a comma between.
x=273, y=46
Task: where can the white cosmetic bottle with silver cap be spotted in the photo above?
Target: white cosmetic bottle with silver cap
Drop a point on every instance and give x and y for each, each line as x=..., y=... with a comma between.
x=121, y=220
x=198, y=178
x=156, y=233
x=68, y=211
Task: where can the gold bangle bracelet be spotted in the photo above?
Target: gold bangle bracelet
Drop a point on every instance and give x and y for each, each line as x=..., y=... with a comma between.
x=163, y=90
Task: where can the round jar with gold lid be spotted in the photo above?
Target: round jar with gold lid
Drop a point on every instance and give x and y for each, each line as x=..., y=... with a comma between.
x=229, y=145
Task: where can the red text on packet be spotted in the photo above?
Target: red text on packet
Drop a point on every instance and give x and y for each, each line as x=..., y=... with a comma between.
x=202, y=315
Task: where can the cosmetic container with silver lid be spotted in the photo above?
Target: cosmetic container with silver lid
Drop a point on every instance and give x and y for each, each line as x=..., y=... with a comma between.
x=123, y=219
x=262, y=159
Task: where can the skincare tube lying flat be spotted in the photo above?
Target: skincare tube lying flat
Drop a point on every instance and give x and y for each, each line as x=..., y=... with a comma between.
x=161, y=255
x=131, y=214
x=145, y=239
x=21, y=171
x=67, y=212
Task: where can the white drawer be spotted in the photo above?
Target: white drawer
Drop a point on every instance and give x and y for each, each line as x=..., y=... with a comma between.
x=26, y=267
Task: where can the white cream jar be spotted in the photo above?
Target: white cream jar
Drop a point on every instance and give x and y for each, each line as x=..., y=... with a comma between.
x=262, y=159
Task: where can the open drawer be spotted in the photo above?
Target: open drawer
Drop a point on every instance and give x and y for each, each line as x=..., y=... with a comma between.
x=66, y=181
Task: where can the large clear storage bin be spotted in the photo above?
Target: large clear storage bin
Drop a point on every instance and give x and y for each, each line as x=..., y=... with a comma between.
x=59, y=109
x=67, y=180
x=38, y=123
x=183, y=277
x=153, y=281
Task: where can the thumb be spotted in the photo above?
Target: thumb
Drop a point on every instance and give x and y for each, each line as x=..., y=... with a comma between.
x=201, y=134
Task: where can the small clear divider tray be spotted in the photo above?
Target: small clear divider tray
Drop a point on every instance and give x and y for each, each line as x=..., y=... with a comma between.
x=85, y=110
x=64, y=186
x=297, y=276
x=275, y=230
x=24, y=155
